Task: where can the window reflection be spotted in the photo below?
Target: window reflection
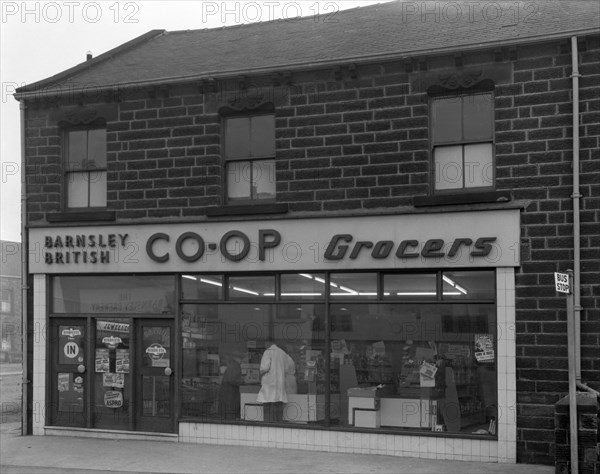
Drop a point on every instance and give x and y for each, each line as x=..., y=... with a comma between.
x=148, y=294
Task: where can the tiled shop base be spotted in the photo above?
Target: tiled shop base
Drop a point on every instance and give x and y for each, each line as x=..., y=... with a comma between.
x=340, y=442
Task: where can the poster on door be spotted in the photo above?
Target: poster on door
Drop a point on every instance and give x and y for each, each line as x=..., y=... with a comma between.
x=70, y=393
x=70, y=345
x=122, y=361
x=110, y=379
x=102, y=360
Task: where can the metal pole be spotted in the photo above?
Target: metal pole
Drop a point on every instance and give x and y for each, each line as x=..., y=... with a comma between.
x=24, y=280
x=572, y=380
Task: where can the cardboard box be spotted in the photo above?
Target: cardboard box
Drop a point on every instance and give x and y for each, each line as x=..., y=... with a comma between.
x=363, y=392
x=253, y=412
x=367, y=418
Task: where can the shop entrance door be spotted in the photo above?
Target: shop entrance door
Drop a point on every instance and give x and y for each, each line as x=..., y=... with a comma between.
x=155, y=386
x=69, y=382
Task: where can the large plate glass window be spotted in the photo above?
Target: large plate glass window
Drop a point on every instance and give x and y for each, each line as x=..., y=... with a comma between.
x=250, y=158
x=85, y=168
x=389, y=350
x=462, y=132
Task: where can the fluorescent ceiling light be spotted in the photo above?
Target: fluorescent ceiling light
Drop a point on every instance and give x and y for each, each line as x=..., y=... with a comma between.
x=211, y=282
x=245, y=291
x=454, y=284
x=190, y=277
x=353, y=292
x=298, y=294
x=416, y=293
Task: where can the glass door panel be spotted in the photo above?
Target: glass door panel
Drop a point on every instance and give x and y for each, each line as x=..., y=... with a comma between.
x=112, y=378
x=155, y=361
x=68, y=384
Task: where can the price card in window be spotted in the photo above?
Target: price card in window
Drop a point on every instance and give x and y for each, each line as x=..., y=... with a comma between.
x=484, y=348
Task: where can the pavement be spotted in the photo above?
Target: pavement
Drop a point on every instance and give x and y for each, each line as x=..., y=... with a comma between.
x=62, y=454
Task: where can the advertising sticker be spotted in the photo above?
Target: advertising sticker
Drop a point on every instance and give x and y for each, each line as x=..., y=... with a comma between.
x=113, y=399
x=484, y=347
x=102, y=360
x=70, y=341
x=112, y=341
x=157, y=352
x=111, y=379
x=122, y=361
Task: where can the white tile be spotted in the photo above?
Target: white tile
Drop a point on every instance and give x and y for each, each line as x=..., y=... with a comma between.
x=485, y=449
x=294, y=437
x=502, y=452
x=413, y=445
x=302, y=437
x=389, y=442
x=318, y=442
x=364, y=441
x=431, y=444
x=373, y=442
x=339, y=439
x=397, y=444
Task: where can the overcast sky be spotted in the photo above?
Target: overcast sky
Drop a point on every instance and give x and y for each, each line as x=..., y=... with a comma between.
x=40, y=39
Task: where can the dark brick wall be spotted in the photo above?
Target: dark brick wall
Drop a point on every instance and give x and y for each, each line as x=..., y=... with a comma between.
x=358, y=139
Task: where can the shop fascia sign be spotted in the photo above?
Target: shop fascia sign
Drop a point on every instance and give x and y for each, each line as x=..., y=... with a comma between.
x=340, y=246
x=415, y=241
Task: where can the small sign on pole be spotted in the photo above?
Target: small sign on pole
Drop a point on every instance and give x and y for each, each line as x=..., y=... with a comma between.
x=562, y=282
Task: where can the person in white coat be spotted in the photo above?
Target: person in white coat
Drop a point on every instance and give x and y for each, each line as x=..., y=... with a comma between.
x=273, y=393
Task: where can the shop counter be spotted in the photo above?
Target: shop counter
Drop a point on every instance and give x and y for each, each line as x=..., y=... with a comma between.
x=300, y=408
x=369, y=408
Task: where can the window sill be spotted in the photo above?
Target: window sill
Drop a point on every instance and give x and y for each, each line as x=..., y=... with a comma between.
x=247, y=209
x=78, y=216
x=462, y=198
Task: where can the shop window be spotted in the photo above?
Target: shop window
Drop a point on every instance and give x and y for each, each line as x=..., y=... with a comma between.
x=431, y=374
x=251, y=287
x=202, y=287
x=5, y=300
x=430, y=363
x=146, y=294
x=462, y=134
x=410, y=286
x=468, y=285
x=302, y=286
x=353, y=285
x=222, y=356
x=85, y=168
x=249, y=146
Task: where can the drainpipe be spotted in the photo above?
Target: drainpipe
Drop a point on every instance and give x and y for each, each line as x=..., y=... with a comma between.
x=576, y=196
x=573, y=322
x=24, y=279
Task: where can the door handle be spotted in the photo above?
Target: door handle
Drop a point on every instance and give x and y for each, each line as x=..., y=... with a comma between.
x=81, y=369
x=168, y=371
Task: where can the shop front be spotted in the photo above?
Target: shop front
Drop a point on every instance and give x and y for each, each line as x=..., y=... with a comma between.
x=399, y=330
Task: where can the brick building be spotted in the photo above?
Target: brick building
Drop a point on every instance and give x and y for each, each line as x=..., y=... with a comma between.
x=10, y=301
x=387, y=195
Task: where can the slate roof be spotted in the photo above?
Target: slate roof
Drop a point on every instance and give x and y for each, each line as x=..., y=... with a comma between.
x=388, y=30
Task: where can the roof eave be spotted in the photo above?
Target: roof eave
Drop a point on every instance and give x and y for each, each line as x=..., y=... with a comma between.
x=61, y=76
